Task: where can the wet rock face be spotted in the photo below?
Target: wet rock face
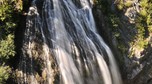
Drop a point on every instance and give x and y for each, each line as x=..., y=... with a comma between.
x=149, y=81
x=134, y=62
x=36, y=64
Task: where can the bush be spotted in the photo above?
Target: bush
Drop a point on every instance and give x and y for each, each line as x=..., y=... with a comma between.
x=4, y=73
x=8, y=8
x=9, y=12
x=7, y=48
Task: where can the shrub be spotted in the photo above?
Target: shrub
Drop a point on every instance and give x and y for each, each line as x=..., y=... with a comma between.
x=4, y=73
x=7, y=48
x=9, y=11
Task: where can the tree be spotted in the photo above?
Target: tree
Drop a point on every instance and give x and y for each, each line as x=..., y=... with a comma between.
x=9, y=10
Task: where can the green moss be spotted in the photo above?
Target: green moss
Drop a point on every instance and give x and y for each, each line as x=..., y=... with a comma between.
x=143, y=13
x=144, y=3
x=122, y=48
x=142, y=44
x=120, y=5
x=114, y=20
x=128, y=4
x=143, y=23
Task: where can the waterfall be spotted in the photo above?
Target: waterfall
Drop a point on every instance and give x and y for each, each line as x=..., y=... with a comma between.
x=62, y=46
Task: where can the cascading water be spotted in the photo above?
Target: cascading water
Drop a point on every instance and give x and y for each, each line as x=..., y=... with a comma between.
x=62, y=46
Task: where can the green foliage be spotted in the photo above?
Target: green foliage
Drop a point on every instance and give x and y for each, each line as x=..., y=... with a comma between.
x=114, y=20
x=7, y=47
x=9, y=12
x=5, y=10
x=4, y=73
x=143, y=21
x=149, y=20
x=115, y=23
x=142, y=25
x=144, y=3
x=128, y=4
x=8, y=8
x=120, y=5
x=142, y=44
x=143, y=12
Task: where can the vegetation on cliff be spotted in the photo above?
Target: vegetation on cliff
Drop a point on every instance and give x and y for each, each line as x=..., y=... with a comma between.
x=126, y=26
x=9, y=17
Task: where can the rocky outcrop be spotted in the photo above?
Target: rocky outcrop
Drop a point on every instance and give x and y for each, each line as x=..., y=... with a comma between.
x=120, y=29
